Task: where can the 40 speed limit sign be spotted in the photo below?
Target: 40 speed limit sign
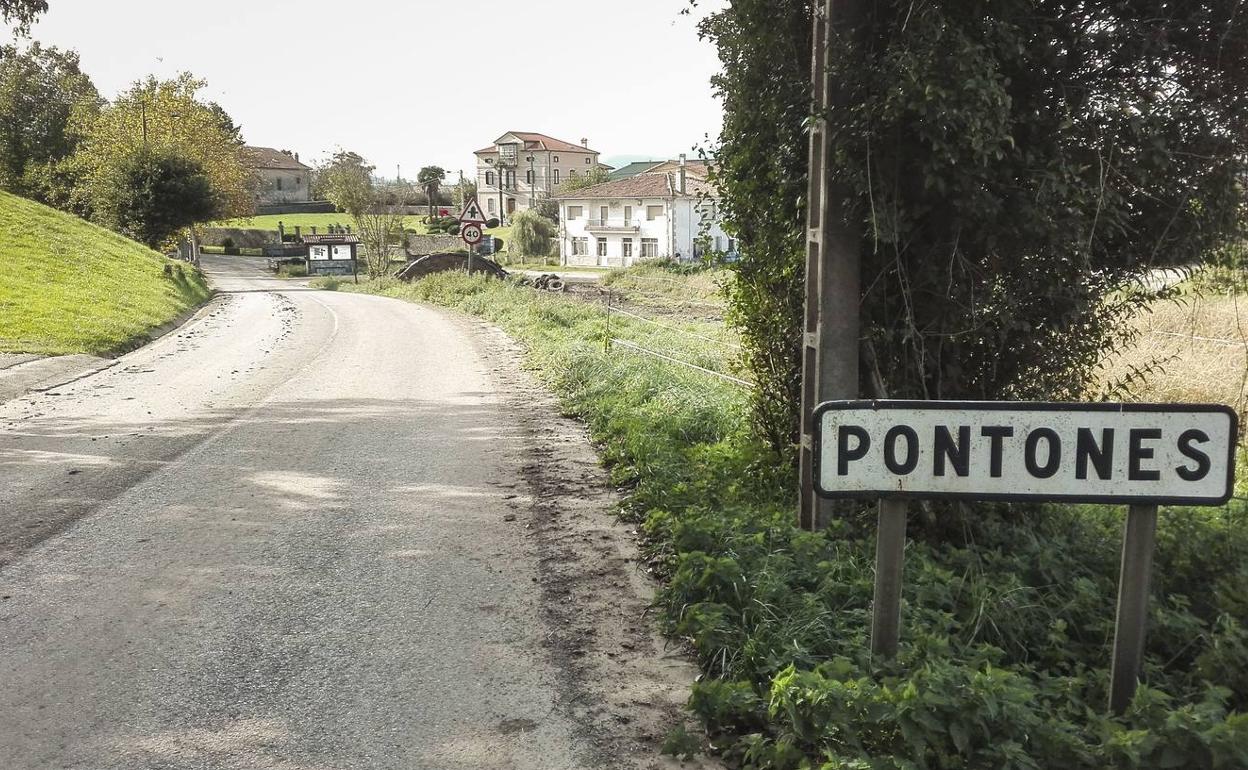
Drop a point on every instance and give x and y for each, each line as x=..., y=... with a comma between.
x=471, y=233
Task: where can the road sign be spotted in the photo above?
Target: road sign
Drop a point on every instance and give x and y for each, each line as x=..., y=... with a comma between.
x=1142, y=454
x=472, y=213
x=471, y=233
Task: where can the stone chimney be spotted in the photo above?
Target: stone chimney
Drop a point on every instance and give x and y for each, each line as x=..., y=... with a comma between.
x=585, y=143
x=682, y=173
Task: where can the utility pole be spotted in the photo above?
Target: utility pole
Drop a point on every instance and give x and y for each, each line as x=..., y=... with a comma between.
x=143, y=110
x=830, y=342
x=532, y=181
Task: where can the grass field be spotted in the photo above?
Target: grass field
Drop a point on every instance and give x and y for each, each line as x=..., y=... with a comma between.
x=306, y=221
x=68, y=286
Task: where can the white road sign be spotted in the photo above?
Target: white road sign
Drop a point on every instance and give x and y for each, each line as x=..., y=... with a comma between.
x=1113, y=453
x=471, y=233
x=472, y=213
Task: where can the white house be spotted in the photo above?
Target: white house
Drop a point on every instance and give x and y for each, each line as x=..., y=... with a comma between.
x=653, y=215
x=522, y=167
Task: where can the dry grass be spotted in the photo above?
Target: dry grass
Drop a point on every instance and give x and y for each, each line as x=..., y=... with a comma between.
x=1197, y=349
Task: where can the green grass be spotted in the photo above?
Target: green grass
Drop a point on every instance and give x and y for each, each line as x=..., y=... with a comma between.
x=1008, y=611
x=306, y=221
x=68, y=286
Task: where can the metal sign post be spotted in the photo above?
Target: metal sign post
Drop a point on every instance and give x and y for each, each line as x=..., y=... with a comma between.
x=471, y=220
x=1142, y=455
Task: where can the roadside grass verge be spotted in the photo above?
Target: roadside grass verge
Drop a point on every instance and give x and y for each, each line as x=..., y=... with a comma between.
x=69, y=286
x=1008, y=611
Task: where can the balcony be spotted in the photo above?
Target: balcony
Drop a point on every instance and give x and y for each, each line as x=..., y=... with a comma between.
x=612, y=225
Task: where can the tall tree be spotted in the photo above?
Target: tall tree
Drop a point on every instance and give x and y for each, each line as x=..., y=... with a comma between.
x=21, y=13
x=430, y=180
x=347, y=182
x=169, y=115
x=1012, y=166
x=47, y=105
x=152, y=193
x=590, y=178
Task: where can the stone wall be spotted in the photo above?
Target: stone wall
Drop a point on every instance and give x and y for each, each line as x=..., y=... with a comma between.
x=420, y=245
x=244, y=238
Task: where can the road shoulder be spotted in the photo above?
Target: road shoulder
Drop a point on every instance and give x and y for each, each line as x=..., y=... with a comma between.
x=621, y=680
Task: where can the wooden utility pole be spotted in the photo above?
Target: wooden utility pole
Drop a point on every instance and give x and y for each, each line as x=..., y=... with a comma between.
x=830, y=342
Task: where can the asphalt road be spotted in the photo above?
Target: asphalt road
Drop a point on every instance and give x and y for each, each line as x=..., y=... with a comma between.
x=285, y=536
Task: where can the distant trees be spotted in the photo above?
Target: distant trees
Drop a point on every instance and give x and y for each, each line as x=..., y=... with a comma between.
x=47, y=104
x=590, y=178
x=430, y=180
x=347, y=182
x=378, y=215
x=149, y=194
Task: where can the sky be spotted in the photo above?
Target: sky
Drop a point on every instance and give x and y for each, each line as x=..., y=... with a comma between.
x=415, y=83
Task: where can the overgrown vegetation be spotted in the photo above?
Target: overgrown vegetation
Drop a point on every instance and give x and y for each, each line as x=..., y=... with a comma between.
x=68, y=286
x=1007, y=168
x=1006, y=642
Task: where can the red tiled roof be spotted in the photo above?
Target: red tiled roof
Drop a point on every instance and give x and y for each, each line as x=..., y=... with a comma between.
x=535, y=141
x=646, y=185
x=269, y=158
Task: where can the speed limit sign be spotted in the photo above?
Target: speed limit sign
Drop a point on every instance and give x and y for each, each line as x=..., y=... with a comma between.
x=471, y=233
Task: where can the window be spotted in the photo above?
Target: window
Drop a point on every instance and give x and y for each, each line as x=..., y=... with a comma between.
x=574, y=212
x=528, y=177
x=588, y=161
x=653, y=212
x=490, y=204
x=279, y=183
x=572, y=174
x=489, y=178
x=602, y=247
x=628, y=215
x=732, y=245
x=627, y=247
x=649, y=247
x=555, y=176
x=603, y=214
x=555, y=159
x=298, y=181
x=580, y=247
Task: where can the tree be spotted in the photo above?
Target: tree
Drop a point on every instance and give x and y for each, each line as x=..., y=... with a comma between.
x=595, y=175
x=47, y=105
x=464, y=190
x=348, y=183
x=549, y=208
x=430, y=180
x=531, y=233
x=1009, y=173
x=168, y=115
x=152, y=193
x=22, y=13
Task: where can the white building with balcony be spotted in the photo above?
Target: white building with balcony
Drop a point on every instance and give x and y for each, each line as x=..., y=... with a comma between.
x=647, y=216
x=522, y=167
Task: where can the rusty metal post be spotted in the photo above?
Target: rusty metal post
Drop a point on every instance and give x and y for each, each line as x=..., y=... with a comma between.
x=830, y=341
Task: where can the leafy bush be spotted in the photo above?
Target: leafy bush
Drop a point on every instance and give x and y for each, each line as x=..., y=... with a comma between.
x=491, y=222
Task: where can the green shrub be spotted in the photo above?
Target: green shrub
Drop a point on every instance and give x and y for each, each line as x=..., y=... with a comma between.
x=492, y=222
x=292, y=271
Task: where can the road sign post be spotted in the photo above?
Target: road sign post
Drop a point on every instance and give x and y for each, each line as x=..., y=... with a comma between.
x=471, y=220
x=1141, y=455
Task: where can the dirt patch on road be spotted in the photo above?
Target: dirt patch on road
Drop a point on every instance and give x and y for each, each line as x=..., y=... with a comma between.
x=619, y=678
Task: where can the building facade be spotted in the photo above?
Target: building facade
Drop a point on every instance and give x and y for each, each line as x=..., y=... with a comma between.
x=647, y=216
x=520, y=168
x=282, y=178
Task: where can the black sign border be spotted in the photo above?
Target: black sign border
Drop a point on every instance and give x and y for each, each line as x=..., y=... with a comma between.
x=1020, y=406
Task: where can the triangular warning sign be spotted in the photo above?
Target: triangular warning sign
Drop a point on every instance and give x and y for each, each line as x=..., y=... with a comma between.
x=472, y=213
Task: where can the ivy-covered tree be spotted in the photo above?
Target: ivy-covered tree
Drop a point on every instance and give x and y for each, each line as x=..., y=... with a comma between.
x=21, y=13
x=1010, y=166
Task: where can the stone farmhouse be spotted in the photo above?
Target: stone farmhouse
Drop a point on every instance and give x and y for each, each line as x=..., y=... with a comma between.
x=283, y=179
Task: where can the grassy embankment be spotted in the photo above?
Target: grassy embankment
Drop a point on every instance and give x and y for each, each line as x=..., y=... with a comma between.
x=68, y=286
x=1008, y=613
